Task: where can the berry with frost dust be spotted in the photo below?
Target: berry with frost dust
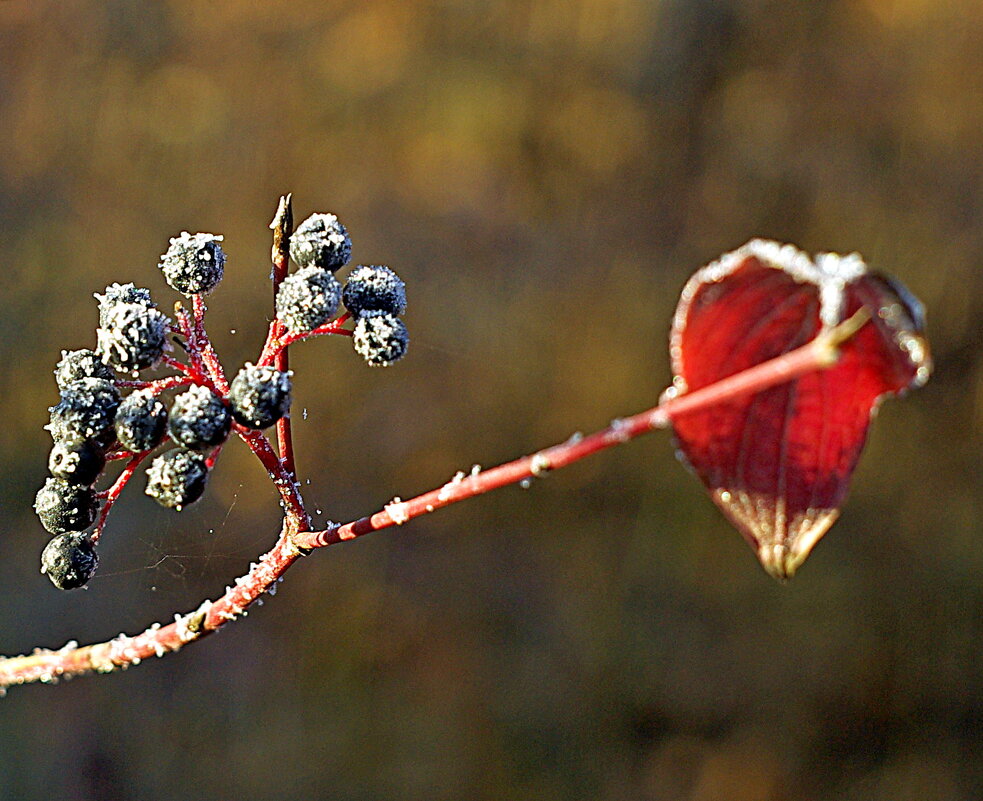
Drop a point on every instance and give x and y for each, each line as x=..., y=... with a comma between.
x=85, y=412
x=380, y=338
x=131, y=337
x=199, y=419
x=77, y=462
x=116, y=294
x=141, y=421
x=374, y=288
x=321, y=241
x=62, y=507
x=259, y=396
x=78, y=364
x=307, y=299
x=194, y=263
x=69, y=560
x=177, y=478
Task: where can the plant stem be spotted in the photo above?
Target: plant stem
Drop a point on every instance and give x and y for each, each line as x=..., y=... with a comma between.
x=282, y=225
x=818, y=354
x=48, y=665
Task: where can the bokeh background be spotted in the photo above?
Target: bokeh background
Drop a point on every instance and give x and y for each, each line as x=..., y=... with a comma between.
x=545, y=174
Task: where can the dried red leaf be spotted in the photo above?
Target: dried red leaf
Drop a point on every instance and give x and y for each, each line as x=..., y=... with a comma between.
x=778, y=462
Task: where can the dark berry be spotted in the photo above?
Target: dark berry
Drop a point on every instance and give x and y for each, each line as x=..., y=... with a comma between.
x=380, y=338
x=199, y=419
x=85, y=412
x=116, y=294
x=62, y=506
x=77, y=462
x=69, y=560
x=177, y=478
x=194, y=263
x=321, y=241
x=78, y=364
x=259, y=396
x=374, y=288
x=308, y=298
x=132, y=336
x=141, y=421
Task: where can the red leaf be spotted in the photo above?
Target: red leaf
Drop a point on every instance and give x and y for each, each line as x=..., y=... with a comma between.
x=778, y=462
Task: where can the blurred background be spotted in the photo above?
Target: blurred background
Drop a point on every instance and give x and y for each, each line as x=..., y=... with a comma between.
x=544, y=174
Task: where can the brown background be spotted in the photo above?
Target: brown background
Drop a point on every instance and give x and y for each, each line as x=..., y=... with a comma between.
x=544, y=175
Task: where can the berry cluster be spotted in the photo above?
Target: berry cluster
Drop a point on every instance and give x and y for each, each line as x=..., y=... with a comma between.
x=374, y=295
x=94, y=423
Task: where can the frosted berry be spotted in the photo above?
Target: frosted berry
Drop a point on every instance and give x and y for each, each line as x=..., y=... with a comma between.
x=374, y=288
x=141, y=421
x=307, y=298
x=194, y=263
x=259, y=396
x=177, y=478
x=77, y=364
x=380, y=338
x=199, y=419
x=77, y=462
x=132, y=336
x=321, y=241
x=85, y=412
x=116, y=294
x=69, y=560
x=61, y=506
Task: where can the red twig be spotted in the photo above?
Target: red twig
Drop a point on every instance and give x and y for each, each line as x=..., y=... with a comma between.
x=286, y=483
x=204, y=346
x=48, y=665
x=282, y=225
x=277, y=343
x=109, y=496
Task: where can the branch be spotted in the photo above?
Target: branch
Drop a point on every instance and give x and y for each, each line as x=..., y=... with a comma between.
x=48, y=665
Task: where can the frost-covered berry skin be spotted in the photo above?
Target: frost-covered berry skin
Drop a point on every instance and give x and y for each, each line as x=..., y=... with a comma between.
x=380, y=338
x=77, y=462
x=321, y=241
x=131, y=336
x=69, y=560
x=85, y=412
x=177, y=478
x=259, y=396
x=199, y=419
x=307, y=298
x=78, y=364
x=116, y=294
x=374, y=288
x=61, y=506
x=141, y=421
x=194, y=263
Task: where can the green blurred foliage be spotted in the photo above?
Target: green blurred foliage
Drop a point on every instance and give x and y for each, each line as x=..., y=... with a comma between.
x=544, y=175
